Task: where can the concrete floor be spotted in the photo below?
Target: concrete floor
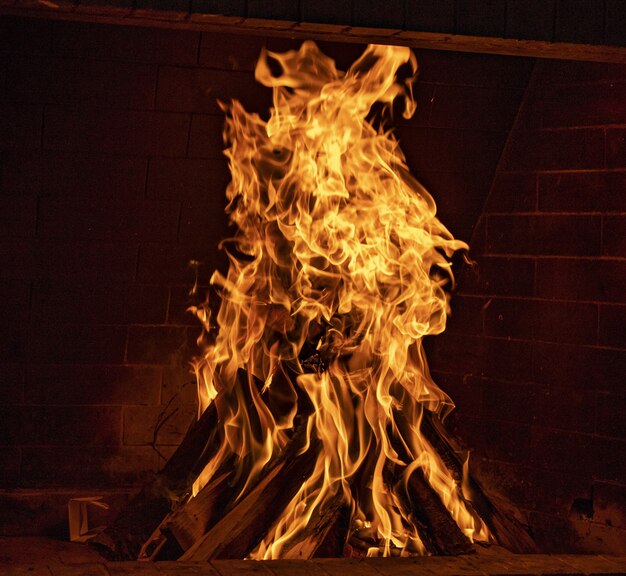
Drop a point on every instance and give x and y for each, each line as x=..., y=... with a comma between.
x=46, y=557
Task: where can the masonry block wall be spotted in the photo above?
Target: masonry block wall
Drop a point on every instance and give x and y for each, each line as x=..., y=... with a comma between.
x=112, y=182
x=534, y=352
x=112, y=188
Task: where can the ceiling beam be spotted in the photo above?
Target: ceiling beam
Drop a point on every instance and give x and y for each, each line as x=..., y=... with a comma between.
x=328, y=32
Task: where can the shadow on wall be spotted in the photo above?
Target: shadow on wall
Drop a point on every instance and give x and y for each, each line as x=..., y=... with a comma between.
x=534, y=351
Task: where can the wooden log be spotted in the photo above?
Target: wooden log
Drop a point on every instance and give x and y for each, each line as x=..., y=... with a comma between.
x=438, y=531
x=145, y=525
x=137, y=530
x=137, y=522
x=499, y=515
x=243, y=527
x=182, y=527
x=190, y=522
x=334, y=542
x=325, y=534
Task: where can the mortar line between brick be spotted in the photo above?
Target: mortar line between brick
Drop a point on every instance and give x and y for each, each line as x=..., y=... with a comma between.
x=555, y=19
x=553, y=213
x=30, y=301
x=37, y=217
x=43, y=126
x=525, y=256
x=405, y=16
x=189, y=125
x=199, y=48
x=516, y=121
x=563, y=129
x=558, y=171
x=168, y=305
x=602, y=224
x=20, y=461
x=121, y=425
x=161, y=385
x=598, y=314
x=540, y=299
x=535, y=278
x=156, y=87
x=179, y=221
x=80, y=405
x=528, y=341
x=455, y=16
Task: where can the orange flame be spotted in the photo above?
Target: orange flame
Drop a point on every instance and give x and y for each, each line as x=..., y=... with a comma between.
x=339, y=256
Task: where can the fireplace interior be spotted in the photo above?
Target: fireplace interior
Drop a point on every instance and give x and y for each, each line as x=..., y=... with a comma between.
x=112, y=194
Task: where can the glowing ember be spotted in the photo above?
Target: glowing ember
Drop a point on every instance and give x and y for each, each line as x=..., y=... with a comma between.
x=338, y=272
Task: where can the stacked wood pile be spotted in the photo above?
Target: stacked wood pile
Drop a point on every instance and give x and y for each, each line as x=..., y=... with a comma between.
x=164, y=522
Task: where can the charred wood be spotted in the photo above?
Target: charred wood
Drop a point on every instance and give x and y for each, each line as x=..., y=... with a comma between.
x=190, y=522
x=137, y=522
x=499, y=515
x=243, y=526
x=438, y=530
x=326, y=533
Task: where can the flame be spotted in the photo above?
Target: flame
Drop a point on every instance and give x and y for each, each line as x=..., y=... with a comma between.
x=338, y=257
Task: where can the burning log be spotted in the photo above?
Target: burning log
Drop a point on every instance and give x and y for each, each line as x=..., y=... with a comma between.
x=437, y=529
x=189, y=523
x=325, y=535
x=125, y=537
x=507, y=529
x=314, y=375
x=241, y=529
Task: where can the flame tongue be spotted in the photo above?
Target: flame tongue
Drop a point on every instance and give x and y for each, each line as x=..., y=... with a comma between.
x=340, y=275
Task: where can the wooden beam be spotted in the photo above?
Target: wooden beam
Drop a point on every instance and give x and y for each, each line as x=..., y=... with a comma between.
x=325, y=32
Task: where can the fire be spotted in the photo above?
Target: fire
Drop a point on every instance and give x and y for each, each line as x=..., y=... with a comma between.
x=338, y=271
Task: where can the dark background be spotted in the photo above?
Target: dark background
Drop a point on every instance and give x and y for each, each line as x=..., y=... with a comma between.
x=112, y=182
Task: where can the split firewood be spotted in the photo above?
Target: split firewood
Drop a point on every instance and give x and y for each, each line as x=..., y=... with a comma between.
x=437, y=529
x=244, y=526
x=190, y=522
x=499, y=515
x=325, y=534
x=334, y=542
x=137, y=522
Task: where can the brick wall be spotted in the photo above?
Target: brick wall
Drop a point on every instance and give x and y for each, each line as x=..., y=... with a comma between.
x=112, y=181
x=534, y=352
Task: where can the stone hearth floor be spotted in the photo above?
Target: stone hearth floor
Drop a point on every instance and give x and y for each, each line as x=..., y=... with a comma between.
x=46, y=557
